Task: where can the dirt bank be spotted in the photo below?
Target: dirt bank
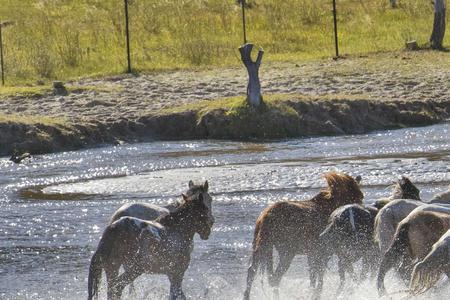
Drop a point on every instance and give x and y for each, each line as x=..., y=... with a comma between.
x=353, y=95
x=281, y=117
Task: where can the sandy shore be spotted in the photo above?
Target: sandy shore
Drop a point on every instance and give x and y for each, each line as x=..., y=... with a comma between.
x=125, y=107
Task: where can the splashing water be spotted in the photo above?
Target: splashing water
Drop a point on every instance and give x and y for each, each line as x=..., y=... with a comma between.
x=55, y=207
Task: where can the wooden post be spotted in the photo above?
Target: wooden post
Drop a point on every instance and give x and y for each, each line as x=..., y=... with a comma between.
x=336, y=43
x=243, y=21
x=127, y=33
x=254, y=86
x=437, y=36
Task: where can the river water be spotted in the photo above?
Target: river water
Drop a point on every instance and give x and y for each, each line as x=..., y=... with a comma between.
x=54, y=208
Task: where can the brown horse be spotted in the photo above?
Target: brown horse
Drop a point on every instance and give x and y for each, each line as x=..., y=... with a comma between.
x=413, y=240
x=427, y=272
x=162, y=246
x=293, y=227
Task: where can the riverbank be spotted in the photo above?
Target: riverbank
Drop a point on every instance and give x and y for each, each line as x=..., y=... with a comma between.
x=325, y=97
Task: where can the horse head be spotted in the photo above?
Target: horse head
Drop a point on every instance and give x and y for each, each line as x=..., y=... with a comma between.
x=405, y=189
x=201, y=201
x=342, y=189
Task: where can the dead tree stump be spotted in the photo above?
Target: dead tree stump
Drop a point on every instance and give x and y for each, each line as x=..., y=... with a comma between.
x=254, y=86
x=437, y=36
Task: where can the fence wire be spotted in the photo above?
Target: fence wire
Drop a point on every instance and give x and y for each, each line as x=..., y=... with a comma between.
x=66, y=39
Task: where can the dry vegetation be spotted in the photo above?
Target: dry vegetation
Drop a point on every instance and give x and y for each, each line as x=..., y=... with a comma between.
x=66, y=39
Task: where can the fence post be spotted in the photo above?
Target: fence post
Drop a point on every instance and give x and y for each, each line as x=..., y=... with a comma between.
x=1, y=54
x=243, y=21
x=3, y=24
x=127, y=33
x=336, y=43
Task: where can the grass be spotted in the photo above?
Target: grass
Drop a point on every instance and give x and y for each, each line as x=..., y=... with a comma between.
x=68, y=39
x=33, y=120
x=238, y=106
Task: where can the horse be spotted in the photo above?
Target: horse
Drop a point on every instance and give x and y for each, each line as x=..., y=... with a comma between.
x=162, y=246
x=395, y=211
x=442, y=197
x=293, y=227
x=349, y=235
x=147, y=211
x=427, y=272
x=402, y=189
x=413, y=240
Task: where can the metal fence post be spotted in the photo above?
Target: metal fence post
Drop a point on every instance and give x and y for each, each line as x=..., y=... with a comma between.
x=127, y=33
x=336, y=43
x=243, y=21
x=1, y=54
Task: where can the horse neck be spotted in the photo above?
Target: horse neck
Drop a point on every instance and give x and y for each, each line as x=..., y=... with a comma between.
x=181, y=221
x=327, y=205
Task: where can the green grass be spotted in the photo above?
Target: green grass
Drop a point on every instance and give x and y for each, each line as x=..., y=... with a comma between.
x=67, y=39
x=238, y=106
x=33, y=120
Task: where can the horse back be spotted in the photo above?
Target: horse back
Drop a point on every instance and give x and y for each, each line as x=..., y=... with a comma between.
x=294, y=222
x=142, y=211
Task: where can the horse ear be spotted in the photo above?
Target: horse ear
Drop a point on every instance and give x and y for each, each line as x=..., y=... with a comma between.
x=206, y=186
x=191, y=183
x=184, y=197
x=358, y=179
x=200, y=198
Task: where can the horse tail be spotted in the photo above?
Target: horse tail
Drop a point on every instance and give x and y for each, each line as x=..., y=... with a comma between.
x=396, y=251
x=262, y=250
x=426, y=273
x=105, y=246
x=263, y=246
x=95, y=276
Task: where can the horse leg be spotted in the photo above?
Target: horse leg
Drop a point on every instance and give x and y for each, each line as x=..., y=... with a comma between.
x=286, y=258
x=251, y=272
x=341, y=271
x=111, y=277
x=126, y=278
x=176, y=291
x=131, y=289
x=312, y=272
x=366, y=267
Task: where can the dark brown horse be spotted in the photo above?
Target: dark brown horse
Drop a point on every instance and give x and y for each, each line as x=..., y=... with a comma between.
x=162, y=246
x=148, y=211
x=349, y=235
x=293, y=227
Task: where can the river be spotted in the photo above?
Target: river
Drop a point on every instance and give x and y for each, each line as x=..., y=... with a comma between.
x=55, y=207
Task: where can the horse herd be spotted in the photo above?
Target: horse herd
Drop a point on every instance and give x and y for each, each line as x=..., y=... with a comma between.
x=400, y=232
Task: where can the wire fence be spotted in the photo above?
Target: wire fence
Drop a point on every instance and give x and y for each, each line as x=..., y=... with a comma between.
x=67, y=39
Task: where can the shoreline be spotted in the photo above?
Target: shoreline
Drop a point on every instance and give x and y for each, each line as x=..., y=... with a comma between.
x=287, y=116
x=348, y=96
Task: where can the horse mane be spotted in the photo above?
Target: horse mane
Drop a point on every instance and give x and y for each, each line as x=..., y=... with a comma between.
x=405, y=189
x=176, y=215
x=179, y=213
x=340, y=186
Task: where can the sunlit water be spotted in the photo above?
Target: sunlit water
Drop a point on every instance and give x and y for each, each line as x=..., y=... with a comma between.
x=54, y=208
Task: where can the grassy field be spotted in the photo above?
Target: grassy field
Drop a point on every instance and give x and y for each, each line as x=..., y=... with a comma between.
x=66, y=39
